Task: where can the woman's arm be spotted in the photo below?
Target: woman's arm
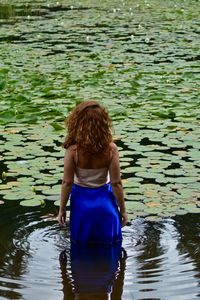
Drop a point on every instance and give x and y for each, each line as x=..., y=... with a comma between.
x=116, y=183
x=67, y=182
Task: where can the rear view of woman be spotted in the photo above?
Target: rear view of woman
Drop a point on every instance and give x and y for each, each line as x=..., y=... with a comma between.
x=92, y=178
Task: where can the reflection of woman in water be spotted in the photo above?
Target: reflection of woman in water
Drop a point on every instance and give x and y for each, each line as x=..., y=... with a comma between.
x=97, y=208
x=93, y=272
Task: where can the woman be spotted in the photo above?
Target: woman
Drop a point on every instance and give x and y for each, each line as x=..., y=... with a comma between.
x=92, y=177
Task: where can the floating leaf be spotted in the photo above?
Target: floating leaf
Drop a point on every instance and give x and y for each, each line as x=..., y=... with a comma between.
x=56, y=126
x=191, y=208
x=31, y=202
x=53, y=197
x=133, y=169
x=19, y=195
x=152, y=204
x=57, y=203
x=151, y=193
x=132, y=206
x=153, y=218
x=5, y=186
x=131, y=197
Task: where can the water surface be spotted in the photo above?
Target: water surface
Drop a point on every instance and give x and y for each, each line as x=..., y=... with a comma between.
x=141, y=60
x=160, y=260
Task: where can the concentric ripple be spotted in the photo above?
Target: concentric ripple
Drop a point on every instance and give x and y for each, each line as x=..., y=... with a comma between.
x=159, y=260
x=162, y=268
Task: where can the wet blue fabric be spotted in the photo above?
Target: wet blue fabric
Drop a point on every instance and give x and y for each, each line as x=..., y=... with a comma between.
x=94, y=268
x=94, y=215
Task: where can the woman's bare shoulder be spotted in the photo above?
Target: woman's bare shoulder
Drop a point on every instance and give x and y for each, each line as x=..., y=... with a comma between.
x=72, y=148
x=113, y=146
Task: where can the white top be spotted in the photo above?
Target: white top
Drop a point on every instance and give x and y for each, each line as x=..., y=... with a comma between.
x=91, y=177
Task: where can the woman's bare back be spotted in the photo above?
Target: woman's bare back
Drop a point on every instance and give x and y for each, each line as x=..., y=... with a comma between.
x=88, y=161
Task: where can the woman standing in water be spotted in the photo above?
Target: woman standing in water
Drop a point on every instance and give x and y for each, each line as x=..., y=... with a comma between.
x=92, y=178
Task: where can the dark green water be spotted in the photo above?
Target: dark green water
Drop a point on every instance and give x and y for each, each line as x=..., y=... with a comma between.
x=141, y=60
x=162, y=259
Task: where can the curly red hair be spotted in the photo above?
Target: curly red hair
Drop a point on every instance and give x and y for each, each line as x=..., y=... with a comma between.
x=89, y=127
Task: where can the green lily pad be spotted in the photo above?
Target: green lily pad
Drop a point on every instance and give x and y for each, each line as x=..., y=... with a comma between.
x=153, y=218
x=57, y=203
x=132, y=216
x=149, y=174
x=133, y=190
x=174, y=172
x=181, y=212
x=31, y=202
x=52, y=197
x=5, y=186
x=135, y=197
x=51, y=191
x=132, y=182
x=133, y=169
x=154, y=210
x=134, y=206
x=190, y=208
x=15, y=196
x=38, y=188
x=124, y=164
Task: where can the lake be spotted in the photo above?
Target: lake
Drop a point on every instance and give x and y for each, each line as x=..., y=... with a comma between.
x=141, y=60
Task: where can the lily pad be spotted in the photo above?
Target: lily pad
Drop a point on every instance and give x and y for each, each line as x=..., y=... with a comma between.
x=57, y=203
x=153, y=218
x=190, y=208
x=31, y=202
x=5, y=186
x=134, y=206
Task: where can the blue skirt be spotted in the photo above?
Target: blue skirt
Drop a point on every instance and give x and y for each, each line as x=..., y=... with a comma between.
x=94, y=215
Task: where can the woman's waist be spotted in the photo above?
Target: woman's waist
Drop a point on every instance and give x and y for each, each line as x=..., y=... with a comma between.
x=90, y=181
x=91, y=184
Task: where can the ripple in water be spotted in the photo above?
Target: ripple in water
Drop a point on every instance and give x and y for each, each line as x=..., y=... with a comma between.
x=159, y=261
x=157, y=269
